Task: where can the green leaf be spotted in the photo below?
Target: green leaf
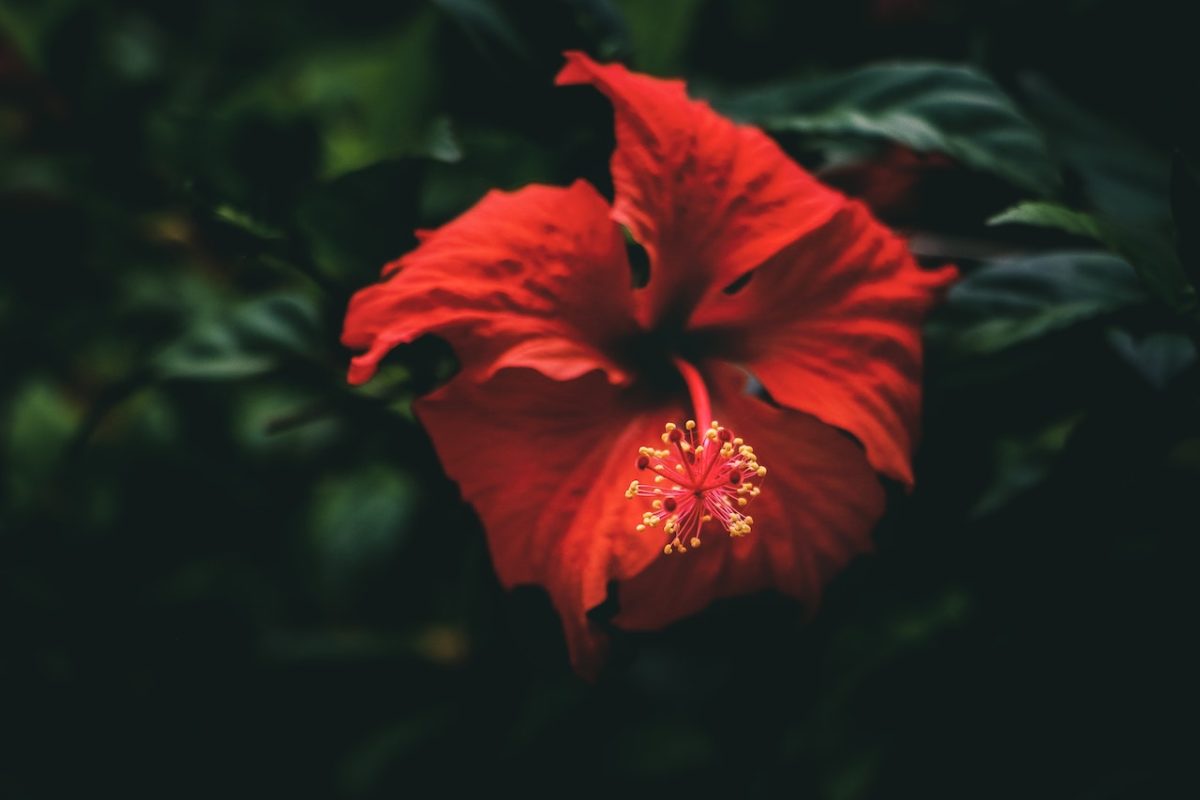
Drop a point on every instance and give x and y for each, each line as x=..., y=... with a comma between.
x=1017, y=300
x=358, y=222
x=660, y=31
x=247, y=223
x=1050, y=215
x=40, y=422
x=370, y=102
x=1022, y=463
x=485, y=25
x=928, y=107
x=1159, y=357
x=27, y=25
x=1121, y=177
x=252, y=339
x=1155, y=261
x=358, y=519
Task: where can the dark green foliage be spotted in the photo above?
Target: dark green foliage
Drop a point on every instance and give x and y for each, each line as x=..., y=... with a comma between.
x=928, y=107
x=226, y=573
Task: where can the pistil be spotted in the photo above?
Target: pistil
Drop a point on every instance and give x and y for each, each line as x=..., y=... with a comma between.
x=695, y=479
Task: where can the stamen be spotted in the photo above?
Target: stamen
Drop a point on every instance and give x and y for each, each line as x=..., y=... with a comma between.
x=713, y=484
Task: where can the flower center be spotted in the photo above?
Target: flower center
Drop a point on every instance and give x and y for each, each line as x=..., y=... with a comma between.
x=697, y=479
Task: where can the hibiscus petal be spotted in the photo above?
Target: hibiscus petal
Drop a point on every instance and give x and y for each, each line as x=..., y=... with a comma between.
x=820, y=501
x=535, y=278
x=707, y=198
x=545, y=464
x=831, y=326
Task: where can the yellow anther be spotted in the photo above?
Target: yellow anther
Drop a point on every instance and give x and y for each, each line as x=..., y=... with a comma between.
x=679, y=467
x=657, y=504
x=714, y=425
x=742, y=501
x=695, y=541
x=738, y=442
x=658, y=478
x=670, y=426
x=668, y=550
x=632, y=490
x=690, y=425
x=762, y=471
x=706, y=518
x=640, y=528
x=711, y=434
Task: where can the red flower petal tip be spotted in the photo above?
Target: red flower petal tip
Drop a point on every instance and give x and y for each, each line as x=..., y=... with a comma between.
x=697, y=479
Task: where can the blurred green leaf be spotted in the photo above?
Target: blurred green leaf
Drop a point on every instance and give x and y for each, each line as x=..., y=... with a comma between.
x=928, y=107
x=356, y=223
x=367, y=763
x=246, y=222
x=255, y=338
x=660, y=32
x=370, y=102
x=1159, y=357
x=607, y=25
x=485, y=25
x=358, y=519
x=27, y=23
x=285, y=421
x=1050, y=215
x=1155, y=261
x=1121, y=176
x=41, y=421
x=1013, y=301
x=661, y=747
x=1021, y=463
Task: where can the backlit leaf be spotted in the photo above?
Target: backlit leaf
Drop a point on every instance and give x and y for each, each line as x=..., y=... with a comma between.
x=255, y=338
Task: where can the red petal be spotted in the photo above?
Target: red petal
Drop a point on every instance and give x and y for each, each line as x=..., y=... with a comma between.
x=820, y=500
x=535, y=278
x=708, y=199
x=831, y=326
x=546, y=464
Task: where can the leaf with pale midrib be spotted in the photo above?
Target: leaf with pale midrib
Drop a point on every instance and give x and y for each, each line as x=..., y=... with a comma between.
x=1013, y=301
x=928, y=107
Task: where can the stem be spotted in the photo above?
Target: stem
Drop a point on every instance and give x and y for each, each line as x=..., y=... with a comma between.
x=699, y=392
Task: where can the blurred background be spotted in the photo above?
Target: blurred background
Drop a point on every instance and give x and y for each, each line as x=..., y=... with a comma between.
x=224, y=572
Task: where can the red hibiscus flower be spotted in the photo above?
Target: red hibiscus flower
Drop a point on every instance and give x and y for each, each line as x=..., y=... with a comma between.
x=569, y=371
